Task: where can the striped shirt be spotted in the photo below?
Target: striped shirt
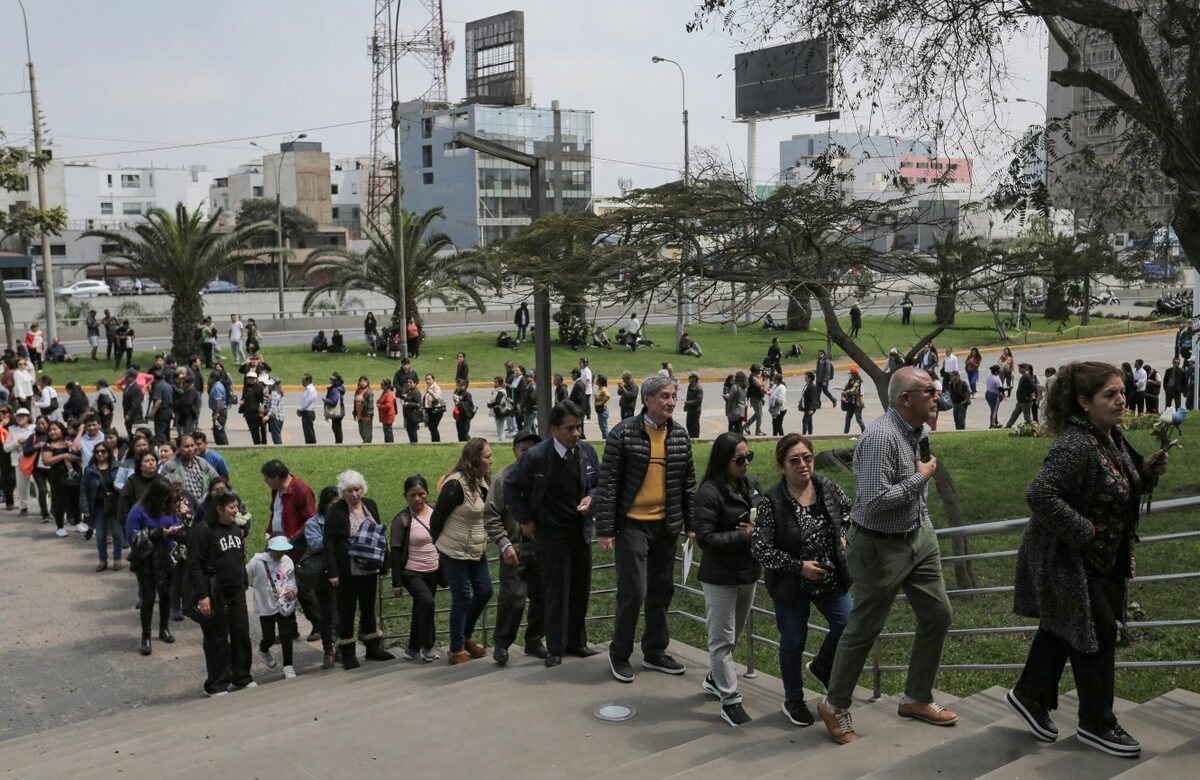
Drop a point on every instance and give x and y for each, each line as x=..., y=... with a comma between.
x=890, y=496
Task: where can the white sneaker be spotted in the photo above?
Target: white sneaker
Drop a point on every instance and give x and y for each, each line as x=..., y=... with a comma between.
x=430, y=655
x=409, y=654
x=289, y=672
x=60, y=533
x=267, y=659
x=81, y=528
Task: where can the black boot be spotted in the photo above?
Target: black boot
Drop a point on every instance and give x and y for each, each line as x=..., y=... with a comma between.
x=347, y=653
x=375, y=651
x=145, y=648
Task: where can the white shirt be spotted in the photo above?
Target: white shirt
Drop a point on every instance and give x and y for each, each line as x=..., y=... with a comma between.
x=49, y=395
x=309, y=399
x=22, y=384
x=235, y=330
x=585, y=374
x=1139, y=378
x=778, y=397
x=950, y=363
x=635, y=326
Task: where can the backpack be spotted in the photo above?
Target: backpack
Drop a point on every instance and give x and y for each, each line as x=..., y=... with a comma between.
x=368, y=547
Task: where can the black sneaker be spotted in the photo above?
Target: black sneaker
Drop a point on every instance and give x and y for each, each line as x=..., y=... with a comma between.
x=823, y=680
x=734, y=714
x=663, y=663
x=797, y=712
x=1114, y=741
x=1036, y=717
x=710, y=686
x=621, y=670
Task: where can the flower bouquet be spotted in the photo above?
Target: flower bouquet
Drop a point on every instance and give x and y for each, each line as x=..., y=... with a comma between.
x=1166, y=431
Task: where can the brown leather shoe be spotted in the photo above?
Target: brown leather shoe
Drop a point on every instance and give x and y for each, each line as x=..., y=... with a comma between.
x=101, y=566
x=474, y=648
x=929, y=712
x=458, y=657
x=838, y=723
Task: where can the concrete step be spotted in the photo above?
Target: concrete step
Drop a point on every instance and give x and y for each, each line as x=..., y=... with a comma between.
x=1176, y=764
x=892, y=737
x=1160, y=725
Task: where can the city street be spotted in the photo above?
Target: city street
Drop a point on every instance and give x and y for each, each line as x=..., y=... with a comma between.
x=1156, y=350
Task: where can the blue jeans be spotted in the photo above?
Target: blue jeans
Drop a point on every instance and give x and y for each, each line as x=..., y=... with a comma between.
x=806, y=423
x=972, y=378
x=276, y=429
x=793, y=633
x=102, y=525
x=602, y=421
x=470, y=590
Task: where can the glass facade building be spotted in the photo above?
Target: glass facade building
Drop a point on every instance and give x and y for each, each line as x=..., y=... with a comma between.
x=487, y=199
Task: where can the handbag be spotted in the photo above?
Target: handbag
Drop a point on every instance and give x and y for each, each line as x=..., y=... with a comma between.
x=944, y=402
x=368, y=546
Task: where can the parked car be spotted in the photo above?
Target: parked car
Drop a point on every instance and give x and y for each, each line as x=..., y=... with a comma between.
x=21, y=288
x=128, y=285
x=220, y=286
x=85, y=288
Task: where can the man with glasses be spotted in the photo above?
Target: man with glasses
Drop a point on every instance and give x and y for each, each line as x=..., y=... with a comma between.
x=643, y=501
x=891, y=547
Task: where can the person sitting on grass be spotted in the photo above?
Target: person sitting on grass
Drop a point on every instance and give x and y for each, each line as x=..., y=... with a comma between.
x=689, y=347
x=336, y=342
x=796, y=350
x=505, y=341
x=600, y=339
x=626, y=339
x=57, y=353
x=319, y=342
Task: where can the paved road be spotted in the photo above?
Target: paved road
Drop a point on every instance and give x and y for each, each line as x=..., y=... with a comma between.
x=1157, y=350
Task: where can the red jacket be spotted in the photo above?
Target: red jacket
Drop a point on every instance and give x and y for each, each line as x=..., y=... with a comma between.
x=387, y=408
x=298, y=506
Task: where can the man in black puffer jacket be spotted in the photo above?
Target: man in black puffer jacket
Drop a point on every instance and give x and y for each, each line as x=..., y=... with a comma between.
x=643, y=501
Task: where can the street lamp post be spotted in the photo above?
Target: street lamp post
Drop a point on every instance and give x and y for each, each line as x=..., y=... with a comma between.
x=47, y=269
x=682, y=302
x=279, y=219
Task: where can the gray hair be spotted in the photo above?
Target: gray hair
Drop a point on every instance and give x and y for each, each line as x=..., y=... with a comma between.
x=900, y=382
x=652, y=384
x=351, y=479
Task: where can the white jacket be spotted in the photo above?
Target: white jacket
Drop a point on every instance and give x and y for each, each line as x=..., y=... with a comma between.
x=268, y=577
x=13, y=444
x=22, y=384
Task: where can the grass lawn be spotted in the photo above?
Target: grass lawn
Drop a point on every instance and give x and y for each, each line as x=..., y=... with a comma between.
x=991, y=471
x=723, y=351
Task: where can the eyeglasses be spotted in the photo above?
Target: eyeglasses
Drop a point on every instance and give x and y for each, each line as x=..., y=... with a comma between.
x=796, y=460
x=742, y=460
x=930, y=390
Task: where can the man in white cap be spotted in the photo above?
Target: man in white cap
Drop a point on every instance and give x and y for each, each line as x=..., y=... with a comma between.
x=18, y=432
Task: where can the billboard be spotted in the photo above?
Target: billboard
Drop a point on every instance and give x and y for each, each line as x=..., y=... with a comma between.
x=496, y=60
x=787, y=79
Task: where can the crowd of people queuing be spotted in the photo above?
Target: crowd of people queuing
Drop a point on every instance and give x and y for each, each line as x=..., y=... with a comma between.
x=160, y=499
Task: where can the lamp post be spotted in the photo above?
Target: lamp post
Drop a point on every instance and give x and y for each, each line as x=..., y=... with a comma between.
x=279, y=217
x=681, y=295
x=47, y=269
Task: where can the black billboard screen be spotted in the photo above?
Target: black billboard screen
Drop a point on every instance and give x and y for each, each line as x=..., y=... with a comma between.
x=784, y=79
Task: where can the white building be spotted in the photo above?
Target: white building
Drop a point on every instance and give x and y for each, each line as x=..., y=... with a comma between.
x=98, y=197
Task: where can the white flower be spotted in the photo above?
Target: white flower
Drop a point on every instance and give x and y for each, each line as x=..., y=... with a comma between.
x=1168, y=416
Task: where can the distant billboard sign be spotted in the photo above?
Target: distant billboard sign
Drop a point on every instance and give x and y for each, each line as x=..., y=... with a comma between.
x=788, y=79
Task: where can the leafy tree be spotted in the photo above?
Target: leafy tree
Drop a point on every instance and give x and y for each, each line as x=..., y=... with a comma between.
x=944, y=62
x=26, y=224
x=295, y=222
x=182, y=252
x=951, y=264
x=431, y=270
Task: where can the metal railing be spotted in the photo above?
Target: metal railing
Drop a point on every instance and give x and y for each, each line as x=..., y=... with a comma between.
x=877, y=667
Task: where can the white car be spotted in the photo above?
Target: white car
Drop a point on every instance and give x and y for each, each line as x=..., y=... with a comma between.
x=85, y=288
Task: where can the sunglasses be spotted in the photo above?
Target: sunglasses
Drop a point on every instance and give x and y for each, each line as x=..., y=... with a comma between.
x=742, y=460
x=930, y=390
x=796, y=460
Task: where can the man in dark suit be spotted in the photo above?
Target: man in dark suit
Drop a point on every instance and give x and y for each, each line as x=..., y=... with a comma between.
x=549, y=492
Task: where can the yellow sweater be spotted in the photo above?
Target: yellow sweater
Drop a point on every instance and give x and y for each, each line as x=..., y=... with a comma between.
x=650, y=503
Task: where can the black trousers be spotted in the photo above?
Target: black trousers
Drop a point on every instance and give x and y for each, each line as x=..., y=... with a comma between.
x=227, y=642
x=220, y=436
x=520, y=585
x=356, y=594
x=777, y=423
x=287, y=634
x=432, y=421
x=693, y=423
x=463, y=426
x=206, y=349
x=335, y=424
x=411, y=426
x=422, y=586
x=110, y=345
x=41, y=480
x=316, y=601
x=8, y=480
x=306, y=422
x=566, y=564
x=255, y=423
x=645, y=556
x=162, y=427
x=1094, y=672
x=154, y=580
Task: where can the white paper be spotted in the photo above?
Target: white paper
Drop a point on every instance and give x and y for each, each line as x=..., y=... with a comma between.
x=687, y=560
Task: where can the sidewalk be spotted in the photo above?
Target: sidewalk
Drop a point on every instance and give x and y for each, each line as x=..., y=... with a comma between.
x=72, y=649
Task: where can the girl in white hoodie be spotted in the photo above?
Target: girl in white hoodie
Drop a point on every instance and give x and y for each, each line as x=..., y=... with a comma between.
x=272, y=579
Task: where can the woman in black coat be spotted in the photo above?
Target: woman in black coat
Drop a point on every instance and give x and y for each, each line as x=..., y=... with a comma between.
x=1076, y=554
x=356, y=586
x=799, y=540
x=723, y=513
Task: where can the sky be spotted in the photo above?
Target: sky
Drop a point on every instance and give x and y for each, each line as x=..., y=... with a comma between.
x=118, y=80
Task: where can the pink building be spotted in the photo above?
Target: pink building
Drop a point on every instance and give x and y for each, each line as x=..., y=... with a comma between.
x=917, y=169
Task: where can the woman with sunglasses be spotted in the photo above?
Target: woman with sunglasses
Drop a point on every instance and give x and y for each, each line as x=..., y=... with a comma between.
x=723, y=517
x=798, y=539
x=98, y=502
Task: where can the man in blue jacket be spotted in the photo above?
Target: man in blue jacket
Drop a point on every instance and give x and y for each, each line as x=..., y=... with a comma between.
x=549, y=492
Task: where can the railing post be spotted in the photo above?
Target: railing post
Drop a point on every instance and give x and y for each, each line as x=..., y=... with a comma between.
x=750, y=671
x=877, y=674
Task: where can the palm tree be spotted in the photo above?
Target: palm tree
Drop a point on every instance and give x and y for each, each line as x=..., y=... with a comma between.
x=431, y=270
x=182, y=252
